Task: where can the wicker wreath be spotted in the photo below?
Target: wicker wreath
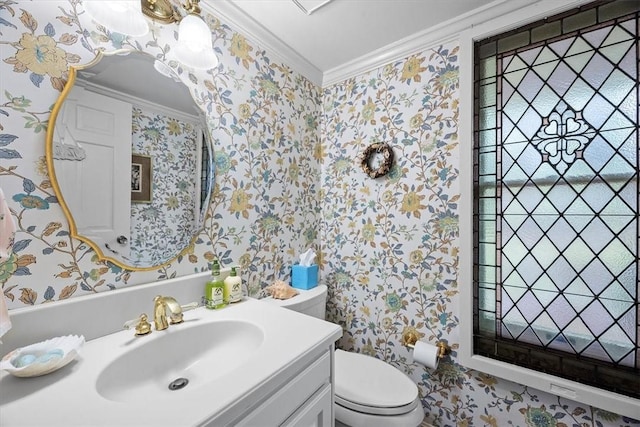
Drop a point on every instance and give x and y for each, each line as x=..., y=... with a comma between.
x=387, y=162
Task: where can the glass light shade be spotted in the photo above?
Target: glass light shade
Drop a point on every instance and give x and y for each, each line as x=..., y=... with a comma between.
x=120, y=16
x=195, y=47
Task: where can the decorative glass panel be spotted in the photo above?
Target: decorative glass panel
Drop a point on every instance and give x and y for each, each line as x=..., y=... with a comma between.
x=558, y=220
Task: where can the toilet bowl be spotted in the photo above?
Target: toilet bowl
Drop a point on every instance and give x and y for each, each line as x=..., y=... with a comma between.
x=368, y=391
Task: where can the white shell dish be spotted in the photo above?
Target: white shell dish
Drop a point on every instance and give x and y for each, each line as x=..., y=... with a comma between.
x=43, y=357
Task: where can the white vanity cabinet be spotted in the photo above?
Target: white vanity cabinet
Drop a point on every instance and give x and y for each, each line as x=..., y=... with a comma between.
x=295, y=397
x=284, y=379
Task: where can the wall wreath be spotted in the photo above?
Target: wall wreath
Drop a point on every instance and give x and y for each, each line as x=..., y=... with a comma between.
x=385, y=165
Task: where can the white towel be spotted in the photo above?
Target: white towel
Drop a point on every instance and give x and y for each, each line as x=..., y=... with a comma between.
x=7, y=235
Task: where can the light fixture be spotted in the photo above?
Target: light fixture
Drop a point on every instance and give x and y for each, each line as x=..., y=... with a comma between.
x=120, y=16
x=195, y=46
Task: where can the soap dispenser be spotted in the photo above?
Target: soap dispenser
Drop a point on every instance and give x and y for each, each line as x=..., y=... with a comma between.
x=214, y=291
x=233, y=285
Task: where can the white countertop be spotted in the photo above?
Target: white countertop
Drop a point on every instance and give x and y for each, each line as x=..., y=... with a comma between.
x=68, y=397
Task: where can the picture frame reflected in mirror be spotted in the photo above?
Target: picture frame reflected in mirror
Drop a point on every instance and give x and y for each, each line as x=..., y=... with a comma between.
x=141, y=178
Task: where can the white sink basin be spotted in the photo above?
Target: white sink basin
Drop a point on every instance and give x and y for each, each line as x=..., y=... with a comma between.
x=184, y=357
x=233, y=358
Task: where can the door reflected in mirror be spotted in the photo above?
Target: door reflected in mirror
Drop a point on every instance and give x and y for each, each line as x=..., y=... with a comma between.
x=130, y=159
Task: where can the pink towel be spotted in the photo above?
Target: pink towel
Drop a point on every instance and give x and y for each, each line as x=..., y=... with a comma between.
x=7, y=233
x=5, y=321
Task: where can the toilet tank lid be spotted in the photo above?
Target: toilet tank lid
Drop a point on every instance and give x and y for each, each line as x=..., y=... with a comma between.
x=305, y=298
x=372, y=382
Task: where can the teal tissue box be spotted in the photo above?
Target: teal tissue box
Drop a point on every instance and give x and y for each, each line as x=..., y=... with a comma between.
x=304, y=277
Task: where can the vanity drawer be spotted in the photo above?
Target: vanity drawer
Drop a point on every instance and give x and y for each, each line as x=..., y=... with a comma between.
x=293, y=395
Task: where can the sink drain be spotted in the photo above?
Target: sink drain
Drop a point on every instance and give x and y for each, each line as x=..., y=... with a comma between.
x=178, y=384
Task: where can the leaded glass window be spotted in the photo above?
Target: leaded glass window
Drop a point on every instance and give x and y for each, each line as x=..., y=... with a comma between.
x=556, y=196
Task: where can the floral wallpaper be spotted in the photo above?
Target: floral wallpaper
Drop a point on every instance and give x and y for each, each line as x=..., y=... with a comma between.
x=262, y=118
x=286, y=180
x=162, y=228
x=390, y=245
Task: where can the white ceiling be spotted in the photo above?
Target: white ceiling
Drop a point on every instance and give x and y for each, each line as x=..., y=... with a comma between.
x=142, y=81
x=339, y=35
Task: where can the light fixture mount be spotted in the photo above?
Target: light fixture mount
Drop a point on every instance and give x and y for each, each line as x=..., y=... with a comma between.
x=191, y=6
x=160, y=10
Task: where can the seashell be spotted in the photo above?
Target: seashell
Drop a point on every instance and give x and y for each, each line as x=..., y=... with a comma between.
x=281, y=290
x=42, y=358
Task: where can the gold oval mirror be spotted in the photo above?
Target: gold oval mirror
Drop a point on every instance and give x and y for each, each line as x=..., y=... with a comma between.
x=130, y=159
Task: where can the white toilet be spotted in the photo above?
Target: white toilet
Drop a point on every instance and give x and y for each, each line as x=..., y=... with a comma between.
x=368, y=391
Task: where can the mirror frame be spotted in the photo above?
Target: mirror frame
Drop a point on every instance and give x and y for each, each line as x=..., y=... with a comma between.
x=73, y=229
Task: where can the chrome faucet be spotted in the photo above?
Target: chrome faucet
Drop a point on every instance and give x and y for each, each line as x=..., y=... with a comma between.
x=161, y=306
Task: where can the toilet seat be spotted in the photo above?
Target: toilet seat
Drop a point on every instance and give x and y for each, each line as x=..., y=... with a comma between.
x=369, y=385
x=374, y=410
x=348, y=418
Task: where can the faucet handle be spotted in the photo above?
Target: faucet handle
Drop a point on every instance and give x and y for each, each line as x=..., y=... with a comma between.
x=176, y=314
x=130, y=323
x=190, y=306
x=143, y=327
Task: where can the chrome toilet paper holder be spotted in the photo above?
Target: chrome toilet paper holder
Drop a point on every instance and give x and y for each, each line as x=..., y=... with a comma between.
x=411, y=337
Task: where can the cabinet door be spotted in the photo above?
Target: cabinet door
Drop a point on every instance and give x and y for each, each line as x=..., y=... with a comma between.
x=316, y=412
x=292, y=396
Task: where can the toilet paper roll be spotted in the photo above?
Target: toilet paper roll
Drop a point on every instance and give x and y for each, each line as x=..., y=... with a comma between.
x=426, y=354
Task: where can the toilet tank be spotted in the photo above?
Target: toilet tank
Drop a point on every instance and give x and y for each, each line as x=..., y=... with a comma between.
x=312, y=302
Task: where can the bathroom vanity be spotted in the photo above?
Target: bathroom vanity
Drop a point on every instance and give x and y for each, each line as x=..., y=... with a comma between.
x=249, y=364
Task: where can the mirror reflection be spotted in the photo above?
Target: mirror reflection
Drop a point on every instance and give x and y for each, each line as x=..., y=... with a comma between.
x=131, y=159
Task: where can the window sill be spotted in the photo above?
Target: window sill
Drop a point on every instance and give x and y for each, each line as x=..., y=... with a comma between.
x=561, y=387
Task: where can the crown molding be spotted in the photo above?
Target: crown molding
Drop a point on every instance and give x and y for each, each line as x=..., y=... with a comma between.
x=231, y=15
x=387, y=54
x=444, y=32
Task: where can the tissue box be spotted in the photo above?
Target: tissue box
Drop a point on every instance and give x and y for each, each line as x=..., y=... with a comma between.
x=304, y=277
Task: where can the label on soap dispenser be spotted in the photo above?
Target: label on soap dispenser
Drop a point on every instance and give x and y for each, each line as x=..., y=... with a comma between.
x=236, y=292
x=216, y=299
